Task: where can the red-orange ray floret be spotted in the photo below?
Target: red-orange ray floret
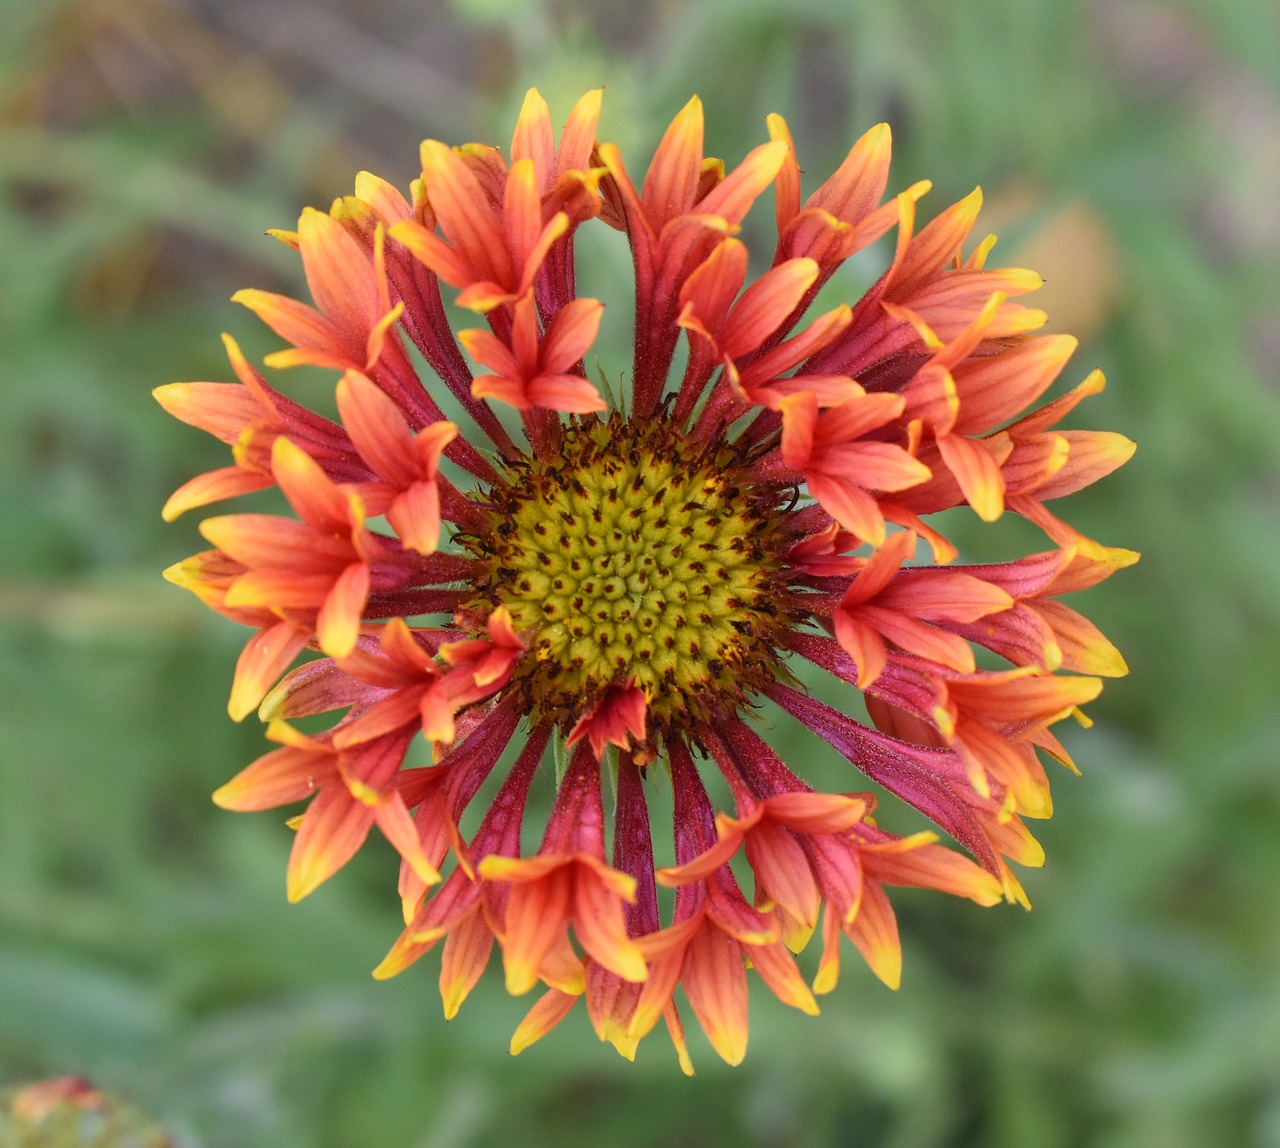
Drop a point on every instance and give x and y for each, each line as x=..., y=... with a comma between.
x=567, y=882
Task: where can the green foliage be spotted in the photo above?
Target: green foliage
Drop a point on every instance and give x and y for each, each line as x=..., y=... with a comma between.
x=144, y=938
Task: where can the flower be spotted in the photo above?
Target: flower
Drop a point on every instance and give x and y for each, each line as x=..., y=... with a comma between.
x=622, y=586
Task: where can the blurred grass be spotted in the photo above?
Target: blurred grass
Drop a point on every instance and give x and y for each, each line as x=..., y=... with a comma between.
x=1129, y=150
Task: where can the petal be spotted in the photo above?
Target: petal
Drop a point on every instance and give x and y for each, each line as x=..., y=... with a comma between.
x=782, y=871
x=977, y=472
x=333, y=828
x=521, y=210
x=489, y=351
x=715, y=982
x=571, y=394
x=778, y=970
x=295, y=322
x=858, y=184
x=277, y=778
x=448, y=263
x=570, y=335
x=579, y=135
x=1091, y=455
x=849, y=505
x=221, y=409
x=672, y=178
x=765, y=304
x=340, y=274
x=1085, y=649
x=466, y=954
x=338, y=623
x=711, y=289
x=551, y=1008
x=463, y=212
x=863, y=643
x=415, y=517
x=945, y=596
x=935, y=247
x=601, y=929
x=398, y=828
x=264, y=658
x=537, y=913
x=309, y=490
x=271, y=540
x=213, y=486
x=534, y=138
x=786, y=187
x=996, y=387
x=732, y=198
x=378, y=428
x=875, y=932
x=383, y=197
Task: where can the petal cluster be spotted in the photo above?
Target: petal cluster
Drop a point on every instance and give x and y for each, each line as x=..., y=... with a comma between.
x=843, y=433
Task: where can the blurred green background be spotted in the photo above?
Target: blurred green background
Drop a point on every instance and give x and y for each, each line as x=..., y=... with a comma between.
x=1129, y=149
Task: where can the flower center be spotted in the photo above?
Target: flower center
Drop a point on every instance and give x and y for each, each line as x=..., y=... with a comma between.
x=634, y=556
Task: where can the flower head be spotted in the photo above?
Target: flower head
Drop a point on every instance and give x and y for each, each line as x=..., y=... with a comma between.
x=623, y=587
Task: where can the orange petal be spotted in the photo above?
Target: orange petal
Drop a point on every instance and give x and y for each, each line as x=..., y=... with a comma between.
x=571, y=394
x=600, y=927
x=994, y=388
x=276, y=778
x=274, y=541
x=875, y=931
x=430, y=249
x=672, y=178
x=786, y=187
x=340, y=274
x=264, y=658
x=338, y=623
x=935, y=247
x=1085, y=649
x=333, y=828
x=537, y=913
x=570, y=335
x=309, y=490
x=863, y=643
x=521, y=210
x=415, y=517
x=765, y=304
x=464, y=215
x=466, y=954
x=579, y=135
x=377, y=428
x=782, y=871
x=294, y=322
x=778, y=970
x=384, y=198
x=534, y=138
x=398, y=828
x=799, y=428
x=552, y=1007
x=732, y=198
x=858, y=184
x=710, y=290
x=221, y=409
x=213, y=486
x=715, y=982
x=488, y=350
x=977, y=472
x=401, y=955
x=828, y=974
x=1091, y=455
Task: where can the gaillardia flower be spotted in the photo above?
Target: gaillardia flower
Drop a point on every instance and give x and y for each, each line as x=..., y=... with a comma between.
x=630, y=587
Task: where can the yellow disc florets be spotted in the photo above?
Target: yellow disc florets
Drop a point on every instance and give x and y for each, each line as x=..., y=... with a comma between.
x=636, y=557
